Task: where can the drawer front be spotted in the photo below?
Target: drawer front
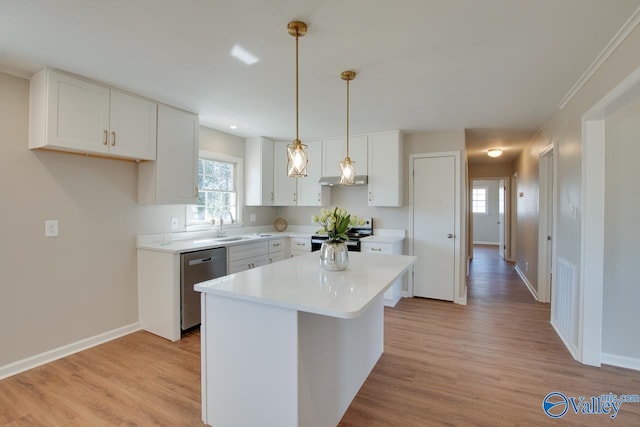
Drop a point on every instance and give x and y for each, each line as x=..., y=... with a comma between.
x=246, y=264
x=276, y=245
x=300, y=244
x=377, y=248
x=248, y=250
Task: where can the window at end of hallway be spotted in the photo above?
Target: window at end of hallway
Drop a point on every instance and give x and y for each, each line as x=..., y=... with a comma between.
x=219, y=190
x=479, y=200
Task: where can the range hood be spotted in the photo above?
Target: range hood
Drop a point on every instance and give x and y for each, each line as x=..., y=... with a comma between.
x=334, y=181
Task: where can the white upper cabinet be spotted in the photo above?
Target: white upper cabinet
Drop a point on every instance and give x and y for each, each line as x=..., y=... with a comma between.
x=385, y=169
x=258, y=161
x=72, y=114
x=173, y=177
x=132, y=124
x=310, y=193
x=284, y=188
x=335, y=150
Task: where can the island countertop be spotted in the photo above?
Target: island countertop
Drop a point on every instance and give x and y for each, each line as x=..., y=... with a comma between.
x=300, y=283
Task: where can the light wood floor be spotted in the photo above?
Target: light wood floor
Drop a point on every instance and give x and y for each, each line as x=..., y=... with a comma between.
x=487, y=364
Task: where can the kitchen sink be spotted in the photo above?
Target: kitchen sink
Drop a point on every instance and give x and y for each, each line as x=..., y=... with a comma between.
x=222, y=239
x=231, y=239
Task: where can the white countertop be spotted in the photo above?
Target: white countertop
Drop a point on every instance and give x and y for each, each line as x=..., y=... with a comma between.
x=300, y=283
x=206, y=242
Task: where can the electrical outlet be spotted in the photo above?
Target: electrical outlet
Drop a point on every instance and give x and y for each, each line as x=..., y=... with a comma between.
x=51, y=228
x=174, y=224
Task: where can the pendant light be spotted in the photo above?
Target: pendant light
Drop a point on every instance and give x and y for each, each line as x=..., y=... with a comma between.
x=347, y=166
x=296, y=155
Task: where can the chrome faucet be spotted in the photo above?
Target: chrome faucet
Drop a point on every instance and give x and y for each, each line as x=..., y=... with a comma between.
x=220, y=230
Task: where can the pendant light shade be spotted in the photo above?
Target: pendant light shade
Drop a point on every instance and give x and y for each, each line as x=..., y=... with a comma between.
x=347, y=166
x=296, y=154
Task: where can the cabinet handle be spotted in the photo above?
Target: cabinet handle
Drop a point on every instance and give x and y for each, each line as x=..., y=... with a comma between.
x=249, y=265
x=195, y=191
x=106, y=137
x=272, y=196
x=113, y=138
x=295, y=197
x=301, y=244
x=275, y=245
x=376, y=249
x=318, y=196
x=370, y=198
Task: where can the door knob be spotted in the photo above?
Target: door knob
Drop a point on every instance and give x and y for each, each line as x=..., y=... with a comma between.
x=449, y=236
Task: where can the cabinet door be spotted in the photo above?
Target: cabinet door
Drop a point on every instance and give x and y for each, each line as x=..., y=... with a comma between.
x=78, y=117
x=284, y=188
x=132, y=127
x=385, y=177
x=335, y=150
x=275, y=257
x=259, y=172
x=172, y=178
x=310, y=193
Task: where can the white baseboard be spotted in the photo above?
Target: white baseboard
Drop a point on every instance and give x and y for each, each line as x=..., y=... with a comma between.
x=60, y=352
x=572, y=349
x=486, y=243
x=526, y=282
x=620, y=361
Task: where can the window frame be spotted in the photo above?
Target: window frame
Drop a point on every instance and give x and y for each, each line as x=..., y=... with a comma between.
x=486, y=200
x=239, y=186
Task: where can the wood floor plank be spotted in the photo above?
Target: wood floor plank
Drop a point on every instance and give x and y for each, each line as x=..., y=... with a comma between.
x=489, y=363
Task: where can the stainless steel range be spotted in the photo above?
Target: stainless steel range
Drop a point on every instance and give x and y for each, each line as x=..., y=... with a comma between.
x=355, y=233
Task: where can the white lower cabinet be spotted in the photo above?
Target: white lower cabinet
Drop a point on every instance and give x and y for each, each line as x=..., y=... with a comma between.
x=299, y=246
x=391, y=247
x=276, y=250
x=246, y=256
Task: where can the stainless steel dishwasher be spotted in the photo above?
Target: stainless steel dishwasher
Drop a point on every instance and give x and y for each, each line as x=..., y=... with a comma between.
x=196, y=267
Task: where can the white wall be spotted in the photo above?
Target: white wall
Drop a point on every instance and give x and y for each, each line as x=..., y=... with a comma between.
x=622, y=232
x=564, y=129
x=485, y=226
x=57, y=291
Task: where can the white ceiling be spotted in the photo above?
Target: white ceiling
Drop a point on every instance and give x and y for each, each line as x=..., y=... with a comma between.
x=498, y=67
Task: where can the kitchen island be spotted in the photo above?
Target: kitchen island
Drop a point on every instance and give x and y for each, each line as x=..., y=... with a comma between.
x=289, y=344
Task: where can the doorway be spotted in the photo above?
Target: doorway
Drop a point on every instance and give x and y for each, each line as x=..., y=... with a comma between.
x=546, y=239
x=491, y=212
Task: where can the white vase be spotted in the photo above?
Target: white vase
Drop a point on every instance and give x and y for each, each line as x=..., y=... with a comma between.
x=334, y=255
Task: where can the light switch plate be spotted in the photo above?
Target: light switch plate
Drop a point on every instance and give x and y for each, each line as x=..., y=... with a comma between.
x=51, y=228
x=174, y=224
x=252, y=217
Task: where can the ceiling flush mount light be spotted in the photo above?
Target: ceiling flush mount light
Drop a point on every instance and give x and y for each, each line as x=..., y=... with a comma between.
x=296, y=156
x=494, y=152
x=347, y=166
x=243, y=55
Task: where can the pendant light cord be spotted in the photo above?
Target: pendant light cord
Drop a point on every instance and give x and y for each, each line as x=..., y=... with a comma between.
x=347, y=118
x=297, y=119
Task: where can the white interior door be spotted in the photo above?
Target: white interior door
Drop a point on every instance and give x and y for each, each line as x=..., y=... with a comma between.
x=501, y=202
x=434, y=197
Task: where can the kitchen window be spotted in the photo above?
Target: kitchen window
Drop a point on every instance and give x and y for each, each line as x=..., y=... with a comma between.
x=479, y=200
x=219, y=190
